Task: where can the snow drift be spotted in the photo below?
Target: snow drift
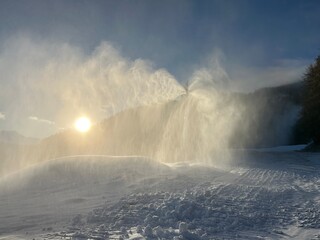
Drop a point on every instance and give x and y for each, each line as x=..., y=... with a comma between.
x=77, y=170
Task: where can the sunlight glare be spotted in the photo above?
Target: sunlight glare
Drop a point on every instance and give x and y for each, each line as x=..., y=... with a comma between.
x=82, y=124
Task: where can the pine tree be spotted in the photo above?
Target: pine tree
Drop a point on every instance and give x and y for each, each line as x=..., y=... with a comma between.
x=309, y=122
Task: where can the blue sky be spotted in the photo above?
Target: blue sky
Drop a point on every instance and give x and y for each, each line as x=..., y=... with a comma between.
x=176, y=34
x=257, y=43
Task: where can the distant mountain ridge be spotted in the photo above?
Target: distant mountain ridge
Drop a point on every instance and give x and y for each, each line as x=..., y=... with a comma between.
x=14, y=137
x=271, y=116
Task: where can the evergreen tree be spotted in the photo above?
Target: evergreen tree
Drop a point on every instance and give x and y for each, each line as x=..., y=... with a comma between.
x=309, y=122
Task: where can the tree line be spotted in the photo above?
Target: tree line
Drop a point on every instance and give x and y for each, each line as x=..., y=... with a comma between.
x=308, y=125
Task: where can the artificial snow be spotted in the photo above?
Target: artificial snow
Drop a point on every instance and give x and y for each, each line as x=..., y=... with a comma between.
x=269, y=196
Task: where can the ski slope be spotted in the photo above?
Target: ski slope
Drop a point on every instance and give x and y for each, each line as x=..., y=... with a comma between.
x=258, y=195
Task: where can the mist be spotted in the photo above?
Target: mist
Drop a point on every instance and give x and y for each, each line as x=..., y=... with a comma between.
x=137, y=109
x=47, y=85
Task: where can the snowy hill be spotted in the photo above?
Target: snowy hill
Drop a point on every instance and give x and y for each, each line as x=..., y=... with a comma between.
x=15, y=138
x=14, y=149
x=271, y=114
x=259, y=196
x=55, y=191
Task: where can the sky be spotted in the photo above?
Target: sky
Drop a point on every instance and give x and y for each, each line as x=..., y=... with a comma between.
x=250, y=43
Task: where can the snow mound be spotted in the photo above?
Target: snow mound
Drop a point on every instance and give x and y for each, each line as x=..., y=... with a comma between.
x=195, y=214
x=252, y=203
x=77, y=170
x=49, y=194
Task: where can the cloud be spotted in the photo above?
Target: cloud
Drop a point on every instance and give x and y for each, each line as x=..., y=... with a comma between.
x=33, y=118
x=2, y=116
x=283, y=71
x=220, y=72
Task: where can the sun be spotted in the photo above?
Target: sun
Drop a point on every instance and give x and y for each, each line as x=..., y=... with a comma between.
x=82, y=124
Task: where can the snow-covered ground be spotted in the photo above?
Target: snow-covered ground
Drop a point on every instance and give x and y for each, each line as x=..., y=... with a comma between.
x=258, y=195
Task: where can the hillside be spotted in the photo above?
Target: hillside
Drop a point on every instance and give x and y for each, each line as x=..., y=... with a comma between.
x=14, y=137
x=271, y=114
x=180, y=130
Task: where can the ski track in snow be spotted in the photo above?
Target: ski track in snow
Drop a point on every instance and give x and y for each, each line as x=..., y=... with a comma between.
x=269, y=200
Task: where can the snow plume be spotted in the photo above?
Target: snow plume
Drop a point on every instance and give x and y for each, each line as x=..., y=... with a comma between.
x=195, y=125
x=58, y=81
x=199, y=127
x=147, y=111
x=201, y=123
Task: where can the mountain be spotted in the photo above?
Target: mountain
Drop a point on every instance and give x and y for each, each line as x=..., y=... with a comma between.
x=14, y=137
x=13, y=150
x=271, y=114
